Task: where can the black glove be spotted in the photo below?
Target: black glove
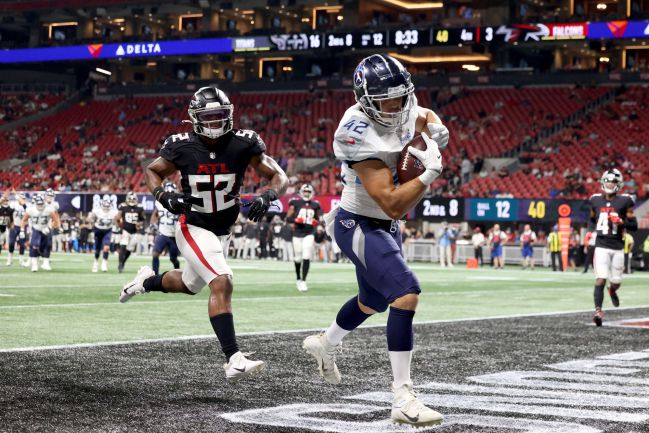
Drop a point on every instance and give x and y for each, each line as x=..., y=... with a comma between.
x=260, y=206
x=174, y=202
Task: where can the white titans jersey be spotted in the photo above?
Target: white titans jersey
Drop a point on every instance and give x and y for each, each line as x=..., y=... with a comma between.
x=19, y=213
x=40, y=219
x=166, y=221
x=53, y=204
x=104, y=218
x=359, y=138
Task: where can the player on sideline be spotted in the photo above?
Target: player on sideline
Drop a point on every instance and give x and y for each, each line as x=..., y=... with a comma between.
x=304, y=213
x=528, y=237
x=611, y=215
x=102, y=219
x=166, y=237
x=130, y=216
x=6, y=216
x=368, y=140
x=19, y=207
x=41, y=217
x=50, y=195
x=212, y=161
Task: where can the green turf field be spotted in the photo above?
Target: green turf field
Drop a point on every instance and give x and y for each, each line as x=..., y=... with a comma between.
x=71, y=305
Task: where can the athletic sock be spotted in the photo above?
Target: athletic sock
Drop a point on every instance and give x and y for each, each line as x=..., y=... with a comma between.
x=176, y=264
x=305, y=268
x=349, y=317
x=297, y=269
x=104, y=255
x=154, y=283
x=223, y=325
x=400, y=343
x=599, y=295
x=155, y=264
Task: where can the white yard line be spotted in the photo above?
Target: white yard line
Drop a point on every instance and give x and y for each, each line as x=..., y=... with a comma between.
x=288, y=331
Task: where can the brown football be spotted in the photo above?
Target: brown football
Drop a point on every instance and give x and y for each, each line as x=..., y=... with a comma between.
x=410, y=167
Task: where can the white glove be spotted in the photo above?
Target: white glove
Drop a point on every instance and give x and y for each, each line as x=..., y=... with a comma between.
x=430, y=158
x=439, y=133
x=21, y=235
x=46, y=231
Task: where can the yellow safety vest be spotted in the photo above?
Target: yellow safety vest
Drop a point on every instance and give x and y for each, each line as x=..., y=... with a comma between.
x=646, y=245
x=627, y=240
x=555, y=242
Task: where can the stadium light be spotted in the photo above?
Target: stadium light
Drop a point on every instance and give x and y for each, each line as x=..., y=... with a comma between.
x=415, y=6
x=103, y=71
x=270, y=59
x=604, y=59
x=601, y=6
x=472, y=68
x=441, y=59
x=328, y=9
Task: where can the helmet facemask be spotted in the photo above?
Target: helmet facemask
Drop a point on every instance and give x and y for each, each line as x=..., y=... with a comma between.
x=611, y=181
x=373, y=106
x=306, y=192
x=131, y=199
x=212, y=121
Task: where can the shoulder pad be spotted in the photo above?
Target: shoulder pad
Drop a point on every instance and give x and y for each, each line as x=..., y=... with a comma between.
x=176, y=139
x=252, y=138
x=350, y=142
x=628, y=197
x=595, y=195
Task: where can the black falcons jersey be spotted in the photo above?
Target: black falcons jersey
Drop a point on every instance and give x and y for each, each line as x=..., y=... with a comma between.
x=609, y=235
x=132, y=216
x=213, y=174
x=305, y=214
x=6, y=215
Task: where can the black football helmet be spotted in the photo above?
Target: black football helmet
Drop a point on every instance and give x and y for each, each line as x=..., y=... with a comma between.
x=378, y=78
x=210, y=112
x=611, y=176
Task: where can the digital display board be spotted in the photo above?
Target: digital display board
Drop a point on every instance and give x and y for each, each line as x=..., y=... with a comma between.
x=410, y=37
x=122, y=50
x=465, y=35
x=296, y=41
x=618, y=30
x=355, y=40
x=491, y=209
x=252, y=43
x=440, y=208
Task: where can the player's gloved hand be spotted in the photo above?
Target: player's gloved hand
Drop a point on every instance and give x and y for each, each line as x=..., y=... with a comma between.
x=174, y=202
x=298, y=220
x=116, y=229
x=615, y=218
x=315, y=223
x=21, y=235
x=260, y=206
x=431, y=159
x=439, y=133
x=46, y=231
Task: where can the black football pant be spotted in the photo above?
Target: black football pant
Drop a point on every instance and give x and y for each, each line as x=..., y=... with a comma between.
x=556, y=255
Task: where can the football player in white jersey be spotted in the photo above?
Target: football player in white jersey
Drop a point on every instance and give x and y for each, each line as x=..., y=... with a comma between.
x=166, y=237
x=19, y=207
x=41, y=218
x=102, y=219
x=368, y=140
x=50, y=195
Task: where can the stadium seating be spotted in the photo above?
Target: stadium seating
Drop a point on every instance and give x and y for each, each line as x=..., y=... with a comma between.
x=14, y=106
x=104, y=142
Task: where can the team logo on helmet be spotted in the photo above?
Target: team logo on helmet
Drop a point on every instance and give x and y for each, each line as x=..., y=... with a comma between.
x=358, y=76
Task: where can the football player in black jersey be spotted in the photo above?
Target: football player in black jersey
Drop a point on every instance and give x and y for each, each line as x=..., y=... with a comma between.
x=130, y=217
x=6, y=218
x=611, y=215
x=304, y=213
x=212, y=161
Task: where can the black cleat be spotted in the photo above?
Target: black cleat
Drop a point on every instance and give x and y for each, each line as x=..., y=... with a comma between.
x=598, y=317
x=614, y=298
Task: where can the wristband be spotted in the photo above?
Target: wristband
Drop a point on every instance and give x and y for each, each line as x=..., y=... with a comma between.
x=427, y=177
x=158, y=191
x=271, y=194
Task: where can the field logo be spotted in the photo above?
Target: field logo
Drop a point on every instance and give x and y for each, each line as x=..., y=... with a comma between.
x=525, y=401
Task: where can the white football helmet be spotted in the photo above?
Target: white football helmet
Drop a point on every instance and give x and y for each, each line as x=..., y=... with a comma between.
x=106, y=204
x=611, y=181
x=131, y=199
x=306, y=192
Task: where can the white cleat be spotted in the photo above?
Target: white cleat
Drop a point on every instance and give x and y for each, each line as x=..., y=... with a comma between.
x=46, y=265
x=104, y=266
x=34, y=265
x=325, y=354
x=24, y=263
x=301, y=286
x=95, y=267
x=136, y=287
x=407, y=409
x=305, y=288
x=240, y=367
